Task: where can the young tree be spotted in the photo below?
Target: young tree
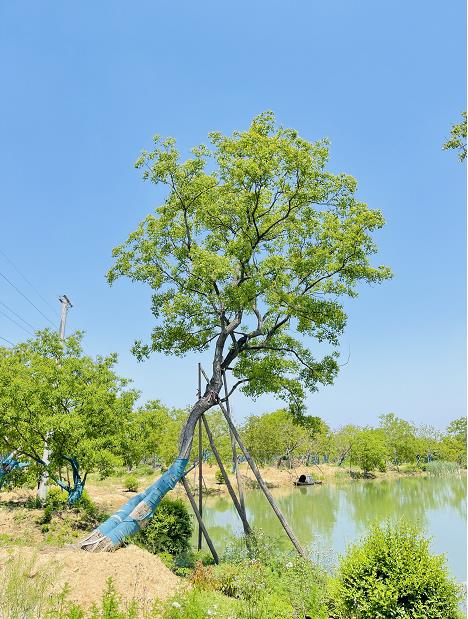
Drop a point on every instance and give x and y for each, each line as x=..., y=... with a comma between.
x=453, y=444
x=342, y=443
x=274, y=436
x=249, y=254
x=369, y=450
x=152, y=434
x=399, y=437
x=48, y=388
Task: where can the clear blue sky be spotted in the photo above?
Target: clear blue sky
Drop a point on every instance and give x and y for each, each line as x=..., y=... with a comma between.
x=86, y=85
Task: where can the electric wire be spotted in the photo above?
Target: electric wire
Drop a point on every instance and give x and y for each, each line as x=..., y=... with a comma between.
x=16, y=323
x=27, y=298
x=5, y=340
x=53, y=309
x=18, y=316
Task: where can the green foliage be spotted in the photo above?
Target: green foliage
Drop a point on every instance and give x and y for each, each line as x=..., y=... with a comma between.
x=369, y=450
x=169, y=530
x=457, y=140
x=86, y=512
x=342, y=443
x=152, y=433
x=392, y=574
x=50, y=388
x=453, y=445
x=400, y=439
x=266, y=581
x=131, y=483
x=201, y=604
x=219, y=477
x=441, y=468
x=273, y=436
x=255, y=239
x=288, y=586
x=111, y=606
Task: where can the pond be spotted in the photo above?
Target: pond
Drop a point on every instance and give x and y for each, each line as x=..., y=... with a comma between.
x=327, y=518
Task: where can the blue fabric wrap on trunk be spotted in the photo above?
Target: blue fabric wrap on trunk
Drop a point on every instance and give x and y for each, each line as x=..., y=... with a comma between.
x=121, y=525
x=8, y=465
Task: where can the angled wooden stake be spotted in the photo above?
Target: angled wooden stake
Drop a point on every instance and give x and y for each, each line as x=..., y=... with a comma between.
x=231, y=491
x=199, y=518
x=200, y=464
x=240, y=487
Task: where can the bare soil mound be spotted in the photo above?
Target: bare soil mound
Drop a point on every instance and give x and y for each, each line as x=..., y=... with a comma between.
x=137, y=574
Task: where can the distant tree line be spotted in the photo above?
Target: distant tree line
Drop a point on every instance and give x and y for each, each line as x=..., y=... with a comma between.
x=52, y=392
x=276, y=438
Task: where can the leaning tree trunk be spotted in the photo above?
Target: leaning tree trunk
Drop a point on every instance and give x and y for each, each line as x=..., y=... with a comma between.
x=136, y=513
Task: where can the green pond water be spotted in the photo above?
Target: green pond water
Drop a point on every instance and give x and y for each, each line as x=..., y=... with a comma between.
x=327, y=518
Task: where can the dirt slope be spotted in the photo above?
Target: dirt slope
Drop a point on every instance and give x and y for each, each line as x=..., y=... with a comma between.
x=136, y=573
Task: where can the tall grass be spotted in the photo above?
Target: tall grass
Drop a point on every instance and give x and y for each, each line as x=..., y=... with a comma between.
x=29, y=591
x=441, y=468
x=25, y=590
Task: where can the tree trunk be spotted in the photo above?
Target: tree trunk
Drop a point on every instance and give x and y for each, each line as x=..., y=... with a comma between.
x=44, y=478
x=136, y=513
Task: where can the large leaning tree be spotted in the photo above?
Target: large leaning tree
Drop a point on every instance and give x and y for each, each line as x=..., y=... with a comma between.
x=248, y=256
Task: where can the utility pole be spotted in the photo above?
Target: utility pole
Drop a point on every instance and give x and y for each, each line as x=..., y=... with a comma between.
x=42, y=487
x=66, y=305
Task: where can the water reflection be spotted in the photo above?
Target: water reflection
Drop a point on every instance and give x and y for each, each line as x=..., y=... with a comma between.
x=329, y=517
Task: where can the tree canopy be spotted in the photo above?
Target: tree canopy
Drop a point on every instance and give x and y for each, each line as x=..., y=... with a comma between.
x=251, y=249
x=50, y=390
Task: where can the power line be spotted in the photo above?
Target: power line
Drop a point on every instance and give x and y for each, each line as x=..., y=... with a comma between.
x=27, y=298
x=18, y=316
x=5, y=340
x=49, y=305
x=16, y=323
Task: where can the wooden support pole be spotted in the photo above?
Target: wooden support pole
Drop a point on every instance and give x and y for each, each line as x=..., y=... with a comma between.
x=264, y=487
x=260, y=480
x=240, y=487
x=235, y=500
x=199, y=518
x=200, y=465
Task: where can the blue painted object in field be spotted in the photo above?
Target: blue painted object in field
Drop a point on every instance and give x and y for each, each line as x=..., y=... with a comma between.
x=132, y=516
x=8, y=464
x=74, y=493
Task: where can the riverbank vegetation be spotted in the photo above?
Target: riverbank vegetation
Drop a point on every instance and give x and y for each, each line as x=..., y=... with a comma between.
x=389, y=573
x=87, y=412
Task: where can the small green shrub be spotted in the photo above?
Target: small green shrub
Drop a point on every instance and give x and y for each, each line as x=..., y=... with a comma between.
x=410, y=467
x=392, y=574
x=257, y=545
x=131, y=483
x=169, y=530
x=219, y=477
x=289, y=588
x=33, y=502
x=86, y=513
x=268, y=581
x=199, y=604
